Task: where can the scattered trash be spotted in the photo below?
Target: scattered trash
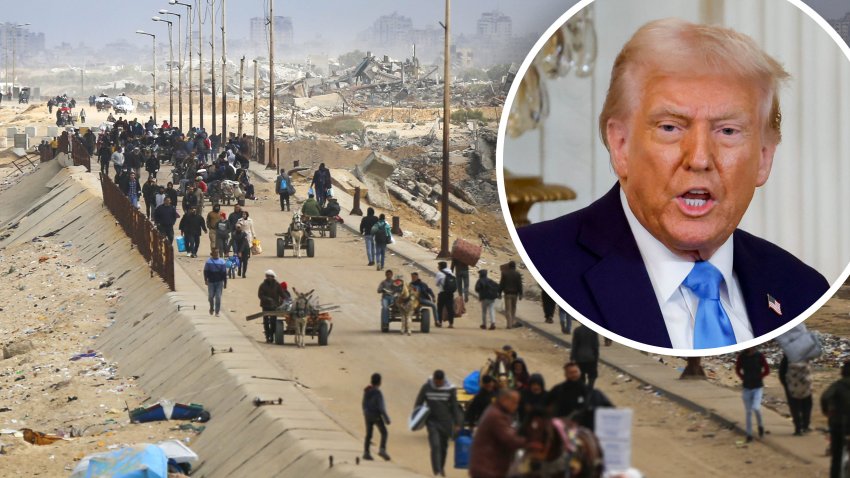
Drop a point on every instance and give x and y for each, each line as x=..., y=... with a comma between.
x=38, y=438
x=91, y=276
x=168, y=410
x=89, y=354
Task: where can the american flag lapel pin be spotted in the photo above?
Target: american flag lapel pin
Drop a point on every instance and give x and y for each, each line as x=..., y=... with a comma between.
x=774, y=304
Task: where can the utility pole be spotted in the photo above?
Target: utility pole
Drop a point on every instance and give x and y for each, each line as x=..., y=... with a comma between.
x=153, y=90
x=82, y=82
x=444, y=210
x=212, y=64
x=200, y=64
x=271, y=85
x=179, y=66
x=170, y=70
x=223, y=74
x=188, y=24
x=256, y=91
x=241, y=79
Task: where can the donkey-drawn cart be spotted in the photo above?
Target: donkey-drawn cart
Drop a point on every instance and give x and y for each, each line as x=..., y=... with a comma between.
x=319, y=323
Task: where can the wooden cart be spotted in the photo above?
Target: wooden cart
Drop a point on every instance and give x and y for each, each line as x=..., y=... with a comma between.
x=323, y=224
x=319, y=324
x=284, y=242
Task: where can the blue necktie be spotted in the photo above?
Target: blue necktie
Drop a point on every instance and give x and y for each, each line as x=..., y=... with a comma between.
x=712, y=327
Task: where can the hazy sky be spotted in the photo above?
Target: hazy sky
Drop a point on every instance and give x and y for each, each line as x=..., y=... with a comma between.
x=94, y=21
x=98, y=21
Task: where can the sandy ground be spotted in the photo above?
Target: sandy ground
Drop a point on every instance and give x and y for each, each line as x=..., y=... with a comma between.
x=48, y=300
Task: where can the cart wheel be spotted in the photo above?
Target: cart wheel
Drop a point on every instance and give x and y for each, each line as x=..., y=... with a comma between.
x=281, y=247
x=324, y=331
x=333, y=228
x=311, y=248
x=425, y=320
x=279, y=329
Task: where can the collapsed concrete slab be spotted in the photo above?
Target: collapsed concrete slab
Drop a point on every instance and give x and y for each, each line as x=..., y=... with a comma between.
x=327, y=102
x=373, y=172
x=455, y=201
x=345, y=181
x=427, y=211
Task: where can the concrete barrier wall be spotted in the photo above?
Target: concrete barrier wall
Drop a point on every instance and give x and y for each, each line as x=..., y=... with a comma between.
x=165, y=338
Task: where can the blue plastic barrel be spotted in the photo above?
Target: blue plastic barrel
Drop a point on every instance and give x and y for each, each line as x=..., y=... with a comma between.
x=463, y=445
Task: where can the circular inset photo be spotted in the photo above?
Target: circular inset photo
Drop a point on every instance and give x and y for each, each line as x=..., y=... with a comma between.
x=679, y=169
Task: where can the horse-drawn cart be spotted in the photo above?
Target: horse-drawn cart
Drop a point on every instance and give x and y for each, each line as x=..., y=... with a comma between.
x=420, y=313
x=295, y=238
x=284, y=242
x=323, y=224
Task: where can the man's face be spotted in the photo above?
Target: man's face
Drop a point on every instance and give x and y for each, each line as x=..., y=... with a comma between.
x=690, y=157
x=388, y=275
x=572, y=373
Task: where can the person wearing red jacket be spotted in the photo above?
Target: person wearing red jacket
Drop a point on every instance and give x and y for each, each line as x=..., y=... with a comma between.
x=495, y=440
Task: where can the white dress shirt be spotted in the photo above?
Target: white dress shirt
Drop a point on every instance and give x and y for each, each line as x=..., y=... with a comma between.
x=678, y=303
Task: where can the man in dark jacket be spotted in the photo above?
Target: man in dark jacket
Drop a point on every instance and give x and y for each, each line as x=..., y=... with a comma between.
x=131, y=188
x=271, y=297
x=488, y=291
x=585, y=352
x=375, y=413
x=332, y=208
x=481, y=401
x=568, y=396
x=151, y=163
x=444, y=419
x=366, y=231
x=426, y=295
x=171, y=193
x=242, y=248
x=165, y=216
x=232, y=219
x=191, y=226
x=149, y=190
x=510, y=287
x=281, y=188
x=104, y=156
x=532, y=397
x=321, y=183
x=495, y=440
x=835, y=404
x=751, y=367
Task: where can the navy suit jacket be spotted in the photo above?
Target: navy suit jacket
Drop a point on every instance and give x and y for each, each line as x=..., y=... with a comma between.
x=590, y=258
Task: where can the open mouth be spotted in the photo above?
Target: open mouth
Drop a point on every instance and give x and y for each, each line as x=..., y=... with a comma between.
x=696, y=202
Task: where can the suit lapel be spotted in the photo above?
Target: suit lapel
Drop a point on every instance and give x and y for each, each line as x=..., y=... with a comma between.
x=619, y=282
x=755, y=285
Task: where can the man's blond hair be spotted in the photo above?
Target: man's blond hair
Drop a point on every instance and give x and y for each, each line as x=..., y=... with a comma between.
x=675, y=46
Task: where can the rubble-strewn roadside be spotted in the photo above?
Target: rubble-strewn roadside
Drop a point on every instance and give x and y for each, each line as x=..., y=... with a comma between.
x=52, y=380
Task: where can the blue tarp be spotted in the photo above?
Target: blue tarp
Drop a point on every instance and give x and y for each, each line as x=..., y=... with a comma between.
x=140, y=461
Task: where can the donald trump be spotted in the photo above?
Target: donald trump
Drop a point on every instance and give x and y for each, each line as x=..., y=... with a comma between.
x=691, y=121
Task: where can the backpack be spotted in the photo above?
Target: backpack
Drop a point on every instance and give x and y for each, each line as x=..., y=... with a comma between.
x=450, y=284
x=490, y=290
x=283, y=186
x=381, y=236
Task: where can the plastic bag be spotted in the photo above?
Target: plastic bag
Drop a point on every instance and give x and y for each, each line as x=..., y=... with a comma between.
x=181, y=244
x=256, y=247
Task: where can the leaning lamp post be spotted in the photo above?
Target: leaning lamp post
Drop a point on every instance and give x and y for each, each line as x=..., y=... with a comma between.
x=179, y=66
x=153, y=90
x=170, y=70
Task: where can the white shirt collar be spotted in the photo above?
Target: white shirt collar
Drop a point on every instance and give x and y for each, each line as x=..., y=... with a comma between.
x=666, y=270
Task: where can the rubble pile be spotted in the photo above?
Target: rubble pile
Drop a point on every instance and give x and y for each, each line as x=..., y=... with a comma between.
x=53, y=381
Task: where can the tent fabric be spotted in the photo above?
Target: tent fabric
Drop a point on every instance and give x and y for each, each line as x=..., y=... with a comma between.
x=138, y=461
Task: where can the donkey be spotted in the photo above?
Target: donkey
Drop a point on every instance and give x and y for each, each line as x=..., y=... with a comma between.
x=407, y=303
x=556, y=448
x=301, y=309
x=297, y=233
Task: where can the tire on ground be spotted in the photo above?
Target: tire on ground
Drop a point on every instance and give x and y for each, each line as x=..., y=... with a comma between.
x=324, y=332
x=281, y=247
x=311, y=247
x=333, y=227
x=425, y=320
